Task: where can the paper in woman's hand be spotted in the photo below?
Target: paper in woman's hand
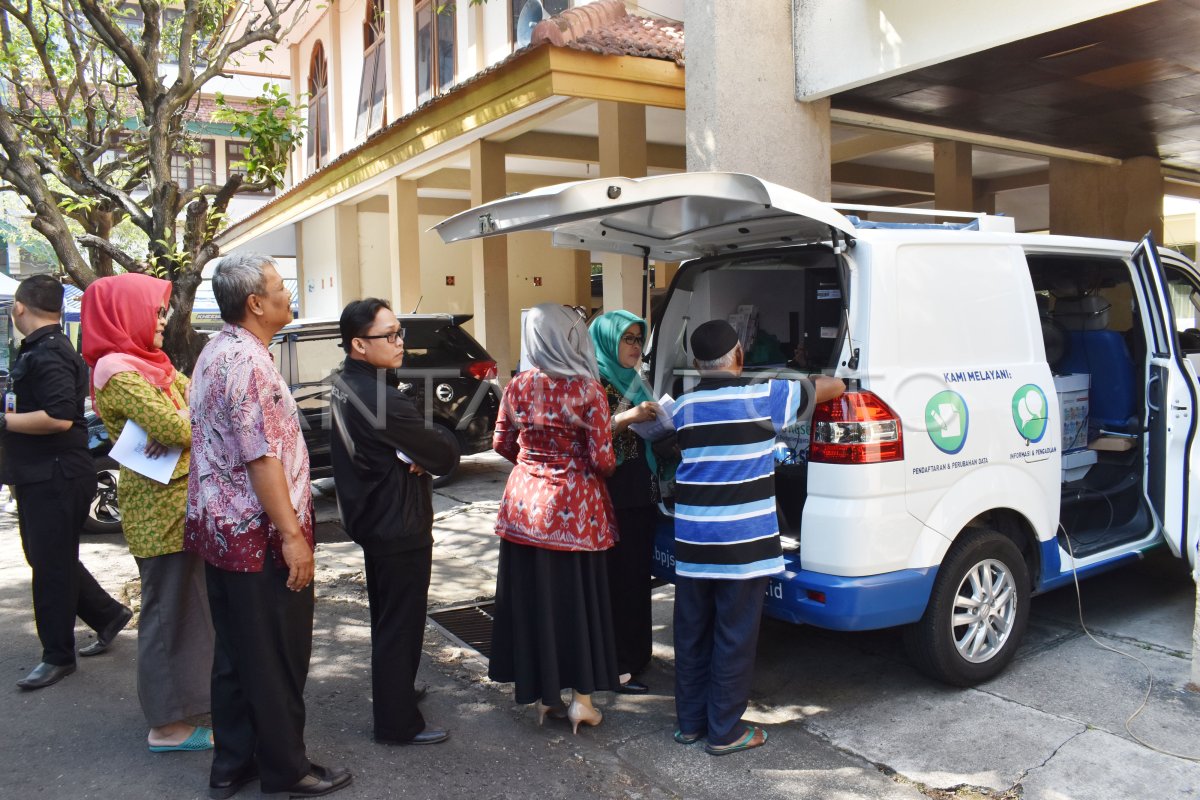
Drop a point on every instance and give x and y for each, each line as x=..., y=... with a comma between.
x=661, y=426
x=130, y=452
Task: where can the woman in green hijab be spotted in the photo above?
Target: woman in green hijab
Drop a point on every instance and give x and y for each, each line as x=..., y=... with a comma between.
x=619, y=337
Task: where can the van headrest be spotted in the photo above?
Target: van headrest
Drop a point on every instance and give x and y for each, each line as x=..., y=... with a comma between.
x=1043, y=304
x=1087, y=313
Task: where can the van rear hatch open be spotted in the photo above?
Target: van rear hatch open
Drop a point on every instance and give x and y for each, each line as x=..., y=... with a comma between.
x=665, y=217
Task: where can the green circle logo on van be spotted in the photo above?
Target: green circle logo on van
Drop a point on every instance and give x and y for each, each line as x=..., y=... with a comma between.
x=1029, y=412
x=946, y=421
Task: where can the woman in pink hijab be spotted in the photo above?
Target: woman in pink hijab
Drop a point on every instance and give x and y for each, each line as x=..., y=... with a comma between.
x=133, y=381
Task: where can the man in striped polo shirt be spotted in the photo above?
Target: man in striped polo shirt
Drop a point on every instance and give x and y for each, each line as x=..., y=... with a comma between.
x=727, y=532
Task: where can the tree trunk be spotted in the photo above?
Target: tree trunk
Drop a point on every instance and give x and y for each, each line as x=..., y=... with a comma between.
x=181, y=342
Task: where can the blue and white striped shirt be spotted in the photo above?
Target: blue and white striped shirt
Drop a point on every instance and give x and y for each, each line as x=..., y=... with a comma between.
x=725, y=522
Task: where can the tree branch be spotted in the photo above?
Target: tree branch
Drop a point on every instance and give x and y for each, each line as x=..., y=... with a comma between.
x=112, y=251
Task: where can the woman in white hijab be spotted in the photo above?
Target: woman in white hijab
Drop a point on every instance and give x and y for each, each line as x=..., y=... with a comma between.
x=553, y=621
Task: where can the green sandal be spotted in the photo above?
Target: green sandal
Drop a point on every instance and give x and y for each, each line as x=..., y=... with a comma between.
x=688, y=738
x=749, y=741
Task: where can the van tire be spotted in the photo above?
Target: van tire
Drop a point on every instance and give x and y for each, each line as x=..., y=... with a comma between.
x=933, y=643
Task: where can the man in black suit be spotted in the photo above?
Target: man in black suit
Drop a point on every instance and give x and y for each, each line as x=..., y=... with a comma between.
x=382, y=452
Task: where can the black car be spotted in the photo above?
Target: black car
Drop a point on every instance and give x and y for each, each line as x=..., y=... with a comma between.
x=446, y=371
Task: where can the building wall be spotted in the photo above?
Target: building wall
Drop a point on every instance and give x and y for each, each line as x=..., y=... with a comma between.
x=318, y=266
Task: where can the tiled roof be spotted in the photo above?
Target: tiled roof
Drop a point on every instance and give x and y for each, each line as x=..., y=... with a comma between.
x=606, y=28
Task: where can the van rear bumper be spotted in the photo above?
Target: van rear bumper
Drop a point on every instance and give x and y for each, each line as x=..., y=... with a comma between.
x=828, y=601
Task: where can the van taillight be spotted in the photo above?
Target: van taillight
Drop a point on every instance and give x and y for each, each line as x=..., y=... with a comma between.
x=855, y=428
x=481, y=370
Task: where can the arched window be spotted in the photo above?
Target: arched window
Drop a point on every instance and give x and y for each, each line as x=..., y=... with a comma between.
x=318, y=108
x=372, y=91
x=435, y=48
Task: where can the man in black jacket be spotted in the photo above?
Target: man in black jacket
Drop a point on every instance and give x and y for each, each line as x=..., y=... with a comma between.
x=382, y=452
x=46, y=461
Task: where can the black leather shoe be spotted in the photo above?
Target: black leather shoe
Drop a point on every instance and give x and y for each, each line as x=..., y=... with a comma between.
x=44, y=675
x=320, y=781
x=632, y=686
x=222, y=790
x=105, y=637
x=427, y=736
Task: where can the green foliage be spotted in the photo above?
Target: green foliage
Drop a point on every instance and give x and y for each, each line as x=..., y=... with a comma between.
x=274, y=127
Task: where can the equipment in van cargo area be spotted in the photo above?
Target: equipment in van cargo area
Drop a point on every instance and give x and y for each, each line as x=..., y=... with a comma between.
x=1095, y=349
x=1072, y=393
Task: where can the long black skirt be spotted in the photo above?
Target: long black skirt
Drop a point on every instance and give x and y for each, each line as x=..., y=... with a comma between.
x=553, y=623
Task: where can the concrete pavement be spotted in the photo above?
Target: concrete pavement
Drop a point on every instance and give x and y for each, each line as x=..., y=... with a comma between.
x=848, y=716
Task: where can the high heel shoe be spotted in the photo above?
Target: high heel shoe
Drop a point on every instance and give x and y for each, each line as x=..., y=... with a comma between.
x=554, y=712
x=579, y=713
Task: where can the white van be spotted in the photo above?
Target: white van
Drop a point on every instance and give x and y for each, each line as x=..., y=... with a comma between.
x=1020, y=407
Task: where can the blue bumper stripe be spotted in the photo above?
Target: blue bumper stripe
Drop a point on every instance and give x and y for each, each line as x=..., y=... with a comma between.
x=851, y=604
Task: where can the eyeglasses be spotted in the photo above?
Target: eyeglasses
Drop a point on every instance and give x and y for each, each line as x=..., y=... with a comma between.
x=165, y=313
x=578, y=310
x=391, y=337
x=633, y=341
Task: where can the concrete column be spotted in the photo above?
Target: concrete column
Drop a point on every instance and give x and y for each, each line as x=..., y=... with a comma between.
x=1114, y=202
x=338, y=135
x=742, y=113
x=391, y=58
x=404, y=245
x=952, y=186
x=622, y=144
x=489, y=260
x=583, y=279
x=349, y=278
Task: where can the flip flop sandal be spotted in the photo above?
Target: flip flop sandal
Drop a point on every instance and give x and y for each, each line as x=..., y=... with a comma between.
x=200, y=739
x=749, y=741
x=688, y=738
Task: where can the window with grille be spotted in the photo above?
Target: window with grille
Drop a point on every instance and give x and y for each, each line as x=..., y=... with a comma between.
x=236, y=153
x=190, y=170
x=372, y=91
x=435, y=49
x=318, y=109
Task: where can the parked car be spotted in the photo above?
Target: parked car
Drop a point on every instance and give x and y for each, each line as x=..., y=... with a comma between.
x=104, y=515
x=446, y=371
x=1021, y=410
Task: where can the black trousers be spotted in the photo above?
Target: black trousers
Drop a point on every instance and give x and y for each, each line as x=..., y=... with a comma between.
x=629, y=586
x=260, y=663
x=398, y=591
x=716, y=637
x=51, y=514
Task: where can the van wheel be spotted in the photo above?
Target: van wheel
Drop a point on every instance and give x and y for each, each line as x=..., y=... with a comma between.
x=977, y=611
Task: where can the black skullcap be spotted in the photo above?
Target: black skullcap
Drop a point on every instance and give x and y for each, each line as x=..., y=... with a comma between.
x=713, y=339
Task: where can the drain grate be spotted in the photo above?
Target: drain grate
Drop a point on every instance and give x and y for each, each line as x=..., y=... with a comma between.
x=469, y=625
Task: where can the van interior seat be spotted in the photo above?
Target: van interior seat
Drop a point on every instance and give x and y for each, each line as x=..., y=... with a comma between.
x=1103, y=354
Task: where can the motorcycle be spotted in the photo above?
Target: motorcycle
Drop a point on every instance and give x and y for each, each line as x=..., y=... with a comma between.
x=104, y=515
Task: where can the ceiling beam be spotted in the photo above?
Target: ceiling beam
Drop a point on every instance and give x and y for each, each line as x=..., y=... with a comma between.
x=877, y=122
x=460, y=180
x=903, y=180
x=1021, y=180
x=1177, y=188
x=869, y=144
x=573, y=147
x=889, y=199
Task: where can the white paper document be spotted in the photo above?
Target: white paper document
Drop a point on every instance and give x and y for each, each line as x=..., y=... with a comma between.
x=130, y=452
x=659, y=427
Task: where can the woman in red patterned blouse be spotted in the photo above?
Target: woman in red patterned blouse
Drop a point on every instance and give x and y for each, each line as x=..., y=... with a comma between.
x=553, y=622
